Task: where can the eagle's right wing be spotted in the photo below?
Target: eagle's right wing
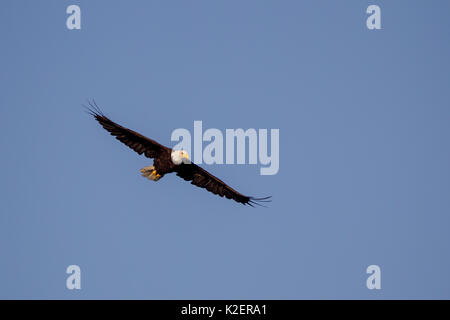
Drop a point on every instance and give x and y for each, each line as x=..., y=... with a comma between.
x=142, y=145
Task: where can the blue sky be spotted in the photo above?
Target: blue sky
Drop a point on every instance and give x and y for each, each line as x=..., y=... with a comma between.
x=364, y=160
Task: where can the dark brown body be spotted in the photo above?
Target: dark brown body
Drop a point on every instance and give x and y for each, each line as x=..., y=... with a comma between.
x=163, y=163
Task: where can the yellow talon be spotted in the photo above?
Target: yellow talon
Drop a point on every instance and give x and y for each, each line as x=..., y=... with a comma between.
x=150, y=173
x=156, y=175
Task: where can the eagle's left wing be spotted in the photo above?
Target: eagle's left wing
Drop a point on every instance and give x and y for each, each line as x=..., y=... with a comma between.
x=203, y=179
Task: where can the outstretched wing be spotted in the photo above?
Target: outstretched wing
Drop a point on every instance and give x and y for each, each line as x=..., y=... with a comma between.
x=203, y=179
x=142, y=145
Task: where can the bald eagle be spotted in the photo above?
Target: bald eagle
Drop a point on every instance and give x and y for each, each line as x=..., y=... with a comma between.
x=167, y=160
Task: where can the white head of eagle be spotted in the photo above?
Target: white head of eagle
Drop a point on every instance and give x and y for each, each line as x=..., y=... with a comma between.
x=179, y=157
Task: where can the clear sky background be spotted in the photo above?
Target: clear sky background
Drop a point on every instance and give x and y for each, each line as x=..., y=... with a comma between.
x=364, y=149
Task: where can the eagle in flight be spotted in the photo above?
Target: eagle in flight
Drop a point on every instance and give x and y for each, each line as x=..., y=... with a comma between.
x=167, y=160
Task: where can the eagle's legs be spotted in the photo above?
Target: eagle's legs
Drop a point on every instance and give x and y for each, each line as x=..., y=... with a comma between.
x=150, y=173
